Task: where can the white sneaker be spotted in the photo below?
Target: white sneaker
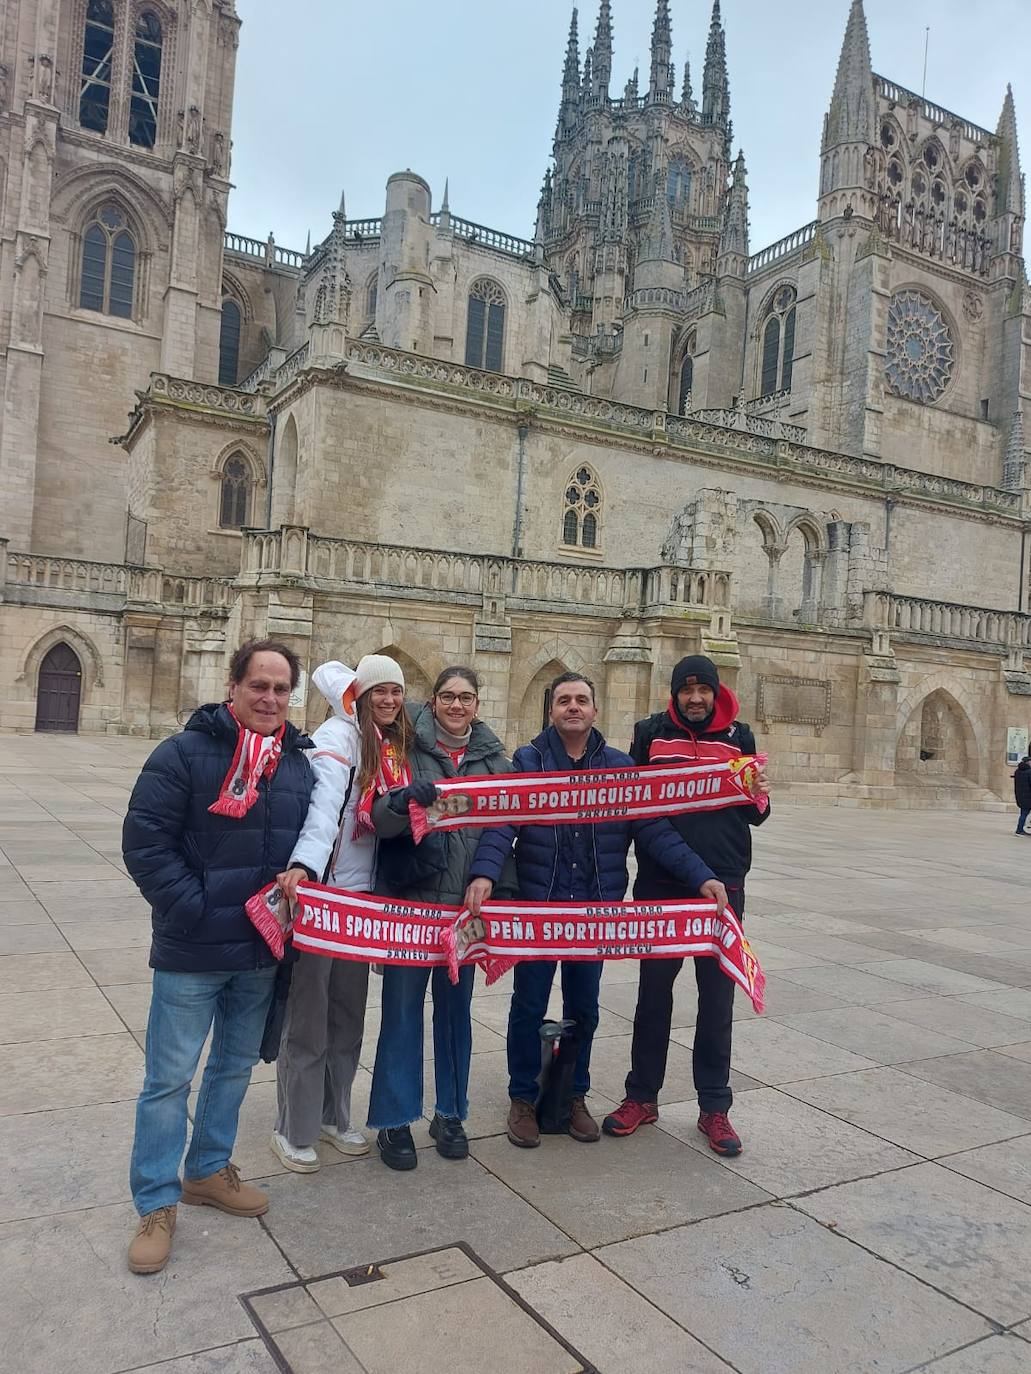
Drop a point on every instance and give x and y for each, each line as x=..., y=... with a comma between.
x=302, y=1159
x=349, y=1142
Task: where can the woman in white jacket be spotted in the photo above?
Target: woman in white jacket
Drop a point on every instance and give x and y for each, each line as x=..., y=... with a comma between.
x=361, y=751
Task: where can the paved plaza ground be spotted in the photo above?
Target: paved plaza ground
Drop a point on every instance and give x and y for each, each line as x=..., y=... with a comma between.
x=879, y=1218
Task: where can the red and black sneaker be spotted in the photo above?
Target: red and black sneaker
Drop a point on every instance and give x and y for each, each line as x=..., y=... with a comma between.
x=628, y=1116
x=722, y=1136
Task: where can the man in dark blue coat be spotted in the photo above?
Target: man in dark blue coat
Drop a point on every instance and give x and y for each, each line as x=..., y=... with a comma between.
x=214, y=816
x=569, y=863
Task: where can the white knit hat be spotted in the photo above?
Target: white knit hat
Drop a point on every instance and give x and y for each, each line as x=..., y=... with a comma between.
x=374, y=669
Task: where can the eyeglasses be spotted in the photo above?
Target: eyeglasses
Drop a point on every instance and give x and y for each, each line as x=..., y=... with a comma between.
x=449, y=698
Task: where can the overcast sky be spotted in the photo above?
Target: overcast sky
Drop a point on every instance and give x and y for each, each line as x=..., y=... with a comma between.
x=337, y=94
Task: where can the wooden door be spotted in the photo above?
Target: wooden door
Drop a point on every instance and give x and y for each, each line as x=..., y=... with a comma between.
x=60, y=686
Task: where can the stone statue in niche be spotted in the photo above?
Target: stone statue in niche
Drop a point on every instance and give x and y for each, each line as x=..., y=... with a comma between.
x=193, y=129
x=218, y=152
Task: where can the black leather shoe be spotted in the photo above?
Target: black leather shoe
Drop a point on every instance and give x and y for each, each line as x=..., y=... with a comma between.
x=451, y=1139
x=397, y=1148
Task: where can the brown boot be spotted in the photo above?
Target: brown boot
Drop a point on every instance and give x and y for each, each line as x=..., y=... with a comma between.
x=522, y=1124
x=582, y=1125
x=151, y=1246
x=225, y=1191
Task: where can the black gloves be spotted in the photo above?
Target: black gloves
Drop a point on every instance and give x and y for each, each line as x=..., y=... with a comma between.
x=422, y=792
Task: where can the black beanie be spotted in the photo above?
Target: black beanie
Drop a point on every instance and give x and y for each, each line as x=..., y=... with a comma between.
x=696, y=666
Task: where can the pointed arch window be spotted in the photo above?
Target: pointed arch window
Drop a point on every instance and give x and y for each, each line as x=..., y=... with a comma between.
x=581, y=515
x=237, y=484
x=485, y=326
x=97, y=53
x=372, y=295
x=229, y=343
x=146, y=81
x=686, y=383
x=778, y=343
x=678, y=183
x=107, y=278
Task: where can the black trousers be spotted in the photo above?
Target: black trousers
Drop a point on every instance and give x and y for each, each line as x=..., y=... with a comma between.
x=713, y=1028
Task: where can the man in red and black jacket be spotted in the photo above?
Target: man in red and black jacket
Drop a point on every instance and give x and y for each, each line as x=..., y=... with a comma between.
x=699, y=724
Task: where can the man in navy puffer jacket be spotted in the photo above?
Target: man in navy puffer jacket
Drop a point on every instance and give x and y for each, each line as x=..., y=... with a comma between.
x=212, y=971
x=579, y=863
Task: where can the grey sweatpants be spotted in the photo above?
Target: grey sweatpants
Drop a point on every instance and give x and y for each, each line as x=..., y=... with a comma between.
x=322, y=1039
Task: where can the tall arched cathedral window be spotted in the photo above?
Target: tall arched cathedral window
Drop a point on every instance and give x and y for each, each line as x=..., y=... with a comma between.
x=582, y=510
x=97, y=49
x=146, y=81
x=678, y=183
x=485, y=326
x=108, y=267
x=686, y=382
x=229, y=343
x=778, y=343
x=235, y=504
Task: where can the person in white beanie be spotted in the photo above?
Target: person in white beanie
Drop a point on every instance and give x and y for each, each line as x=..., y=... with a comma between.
x=360, y=752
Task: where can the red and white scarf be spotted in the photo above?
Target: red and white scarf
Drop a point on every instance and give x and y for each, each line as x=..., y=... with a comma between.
x=256, y=756
x=385, y=930
x=592, y=795
x=393, y=772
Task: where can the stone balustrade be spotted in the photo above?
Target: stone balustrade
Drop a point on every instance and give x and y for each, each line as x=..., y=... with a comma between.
x=206, y=394
x=41, y=580
x=267, y=250
x=913, y=617
x=790, y=243
x=470, y=579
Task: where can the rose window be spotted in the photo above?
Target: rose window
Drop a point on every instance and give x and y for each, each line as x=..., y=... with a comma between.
x=921, y=352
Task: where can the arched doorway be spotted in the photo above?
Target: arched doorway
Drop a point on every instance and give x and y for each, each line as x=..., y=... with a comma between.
x=59, y=689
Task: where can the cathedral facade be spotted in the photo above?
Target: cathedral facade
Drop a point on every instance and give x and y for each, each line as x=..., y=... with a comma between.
x=624, y=439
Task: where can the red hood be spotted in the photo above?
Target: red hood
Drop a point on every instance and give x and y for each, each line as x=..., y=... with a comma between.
x=724, y=713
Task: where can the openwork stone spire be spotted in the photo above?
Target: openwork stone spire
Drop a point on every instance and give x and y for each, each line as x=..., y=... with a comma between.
x=687, y=94
x=715, y=81
x=603, y=51
x=570, y=81
x=734, y=236
x=1009, y=183
x=659, y=83
x=851, y=115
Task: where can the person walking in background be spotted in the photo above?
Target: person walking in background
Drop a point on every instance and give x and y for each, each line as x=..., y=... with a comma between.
x=579, y=863
x=1022, y=793
x=699, y=724
x=214, y=816
x=450, y=741
x=360, y=752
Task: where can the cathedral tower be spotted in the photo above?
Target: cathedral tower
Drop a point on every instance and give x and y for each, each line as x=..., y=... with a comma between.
x=115, y=136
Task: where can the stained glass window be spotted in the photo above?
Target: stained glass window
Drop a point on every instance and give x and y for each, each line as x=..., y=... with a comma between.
x=485, y=326
x=582, y=510
x=920, y=348
x=107, y=275
x=236, y=494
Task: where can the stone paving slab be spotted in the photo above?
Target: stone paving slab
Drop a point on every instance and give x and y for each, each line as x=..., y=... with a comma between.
x=1000, y=1080
x=616, y=1187
x=1003, y=1354
x=792, y=1147
x=774, y=1292
x=925, y=1220
x=351, y=1215
x=610, y=1322
x=79, y=1309
x=918, y=1116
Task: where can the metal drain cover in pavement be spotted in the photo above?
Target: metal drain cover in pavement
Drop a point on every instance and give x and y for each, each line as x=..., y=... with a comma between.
x=438, y=1312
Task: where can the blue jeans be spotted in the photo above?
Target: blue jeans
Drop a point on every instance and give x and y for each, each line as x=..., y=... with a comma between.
x=182, y=1009
x=532, y=987
x=1025, y=811
x=396, y=1098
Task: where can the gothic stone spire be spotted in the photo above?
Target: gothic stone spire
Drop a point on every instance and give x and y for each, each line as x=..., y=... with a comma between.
x=1009, y=185
x=715, y=81
x=570, y=80
x=734, y=236
x=1014, y=461
x=659, y=84
x=603, y=51
x=687, y=94
x=851, y=115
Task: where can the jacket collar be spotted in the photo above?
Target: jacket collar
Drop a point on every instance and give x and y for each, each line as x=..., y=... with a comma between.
x=724, y=713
